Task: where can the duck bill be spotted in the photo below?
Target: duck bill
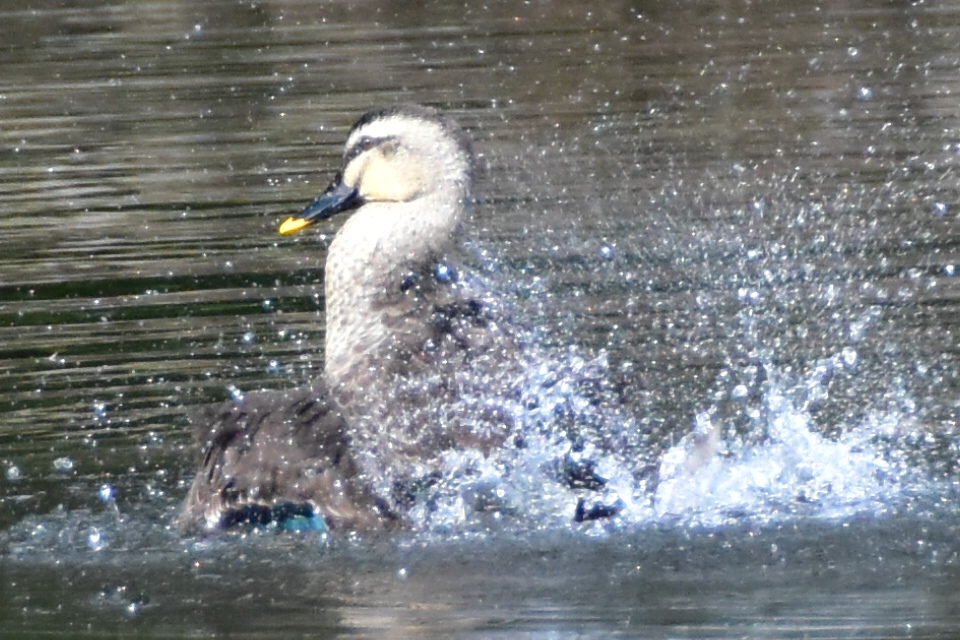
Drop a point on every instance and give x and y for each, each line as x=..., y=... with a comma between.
x=337, y=198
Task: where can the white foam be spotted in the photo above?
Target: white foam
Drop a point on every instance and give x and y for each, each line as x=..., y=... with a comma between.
x=792, y=469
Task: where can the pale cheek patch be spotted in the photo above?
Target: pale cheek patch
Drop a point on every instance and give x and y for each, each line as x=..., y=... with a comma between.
x=389, y=180
x=352, y=172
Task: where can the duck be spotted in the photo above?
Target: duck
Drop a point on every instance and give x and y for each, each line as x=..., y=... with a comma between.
x=404, y=326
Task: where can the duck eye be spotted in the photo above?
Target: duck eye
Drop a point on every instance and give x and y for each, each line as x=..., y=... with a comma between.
x=365, y=144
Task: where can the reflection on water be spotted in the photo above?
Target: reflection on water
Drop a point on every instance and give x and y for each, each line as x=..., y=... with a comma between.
x=747, y=216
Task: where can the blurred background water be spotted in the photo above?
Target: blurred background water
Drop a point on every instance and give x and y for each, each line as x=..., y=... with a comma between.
x=747, y=212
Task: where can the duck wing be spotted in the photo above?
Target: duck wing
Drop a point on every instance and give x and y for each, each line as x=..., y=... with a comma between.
x=273, y=454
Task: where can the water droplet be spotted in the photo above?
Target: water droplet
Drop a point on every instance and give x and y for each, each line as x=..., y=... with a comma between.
x=751, y=296
x=402, y=573
x=865, y=94
x=96, y=540
x=606, y=252
x=444, y=273
x=235, y=393
x=64, y=464
x=106, y=493
x=849, y=357
x=940, y=209
x=249, y=338
x=14, y=473
x=100, y=410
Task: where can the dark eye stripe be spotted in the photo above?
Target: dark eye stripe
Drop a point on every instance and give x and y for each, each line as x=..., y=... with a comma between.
x=364, y=144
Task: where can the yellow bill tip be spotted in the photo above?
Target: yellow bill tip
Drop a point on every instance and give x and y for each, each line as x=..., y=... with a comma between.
x=292, y=225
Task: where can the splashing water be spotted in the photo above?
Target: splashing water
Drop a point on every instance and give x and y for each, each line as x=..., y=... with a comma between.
x=792, y=470
x=781, y=465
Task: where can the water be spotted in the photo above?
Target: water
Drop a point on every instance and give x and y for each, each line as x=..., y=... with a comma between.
x=741, y=219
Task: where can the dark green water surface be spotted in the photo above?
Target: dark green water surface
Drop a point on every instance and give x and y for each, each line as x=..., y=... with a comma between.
x=751, y=209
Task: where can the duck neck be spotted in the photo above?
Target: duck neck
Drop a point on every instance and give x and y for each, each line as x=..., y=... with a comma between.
x=370, y=259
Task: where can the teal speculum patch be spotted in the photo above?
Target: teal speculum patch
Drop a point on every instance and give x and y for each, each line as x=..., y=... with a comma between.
x=284, y=516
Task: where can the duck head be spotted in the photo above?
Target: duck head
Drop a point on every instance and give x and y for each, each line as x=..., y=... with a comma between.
x=396, y=155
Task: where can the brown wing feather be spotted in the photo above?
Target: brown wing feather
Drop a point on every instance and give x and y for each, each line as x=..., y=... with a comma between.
x=278, y=447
